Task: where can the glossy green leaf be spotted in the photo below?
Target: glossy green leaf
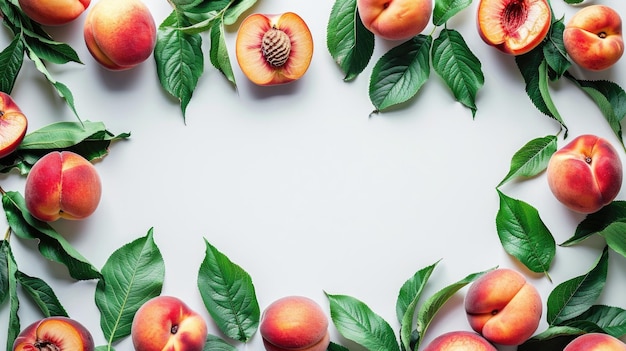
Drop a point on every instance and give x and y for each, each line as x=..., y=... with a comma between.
x=532, y=158
x=400, y=73
x=572, y=2
x=42, y=294
x=554, y=51
x=357, y=322
x=574, y=297
x=429, y=309
x=179, y=59
x=228, y=295
x=50, y=50
x=524, y=235
x=611, y=319
x=132, y=275
x=458, y=67
x=235, y=10
x=446, y=9
x=336, y=347
x=8, y=270
x=406, y=305
x=218, y=52
x=598, y=221
x=615, y=238
x=51, y=245
x=350, y=44
x=554, y=338
x=215, y=343
x=11, y=59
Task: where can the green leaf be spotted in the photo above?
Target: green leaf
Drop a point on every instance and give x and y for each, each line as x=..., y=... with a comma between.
x=554, y=338
x=179, y=59
x=446, y=9
x=218, y=52
x=532, y=158
x=400, y=73
x=572, y=2
x=612, y=320
x=610, y=99
x=235, y=9
x=598, y=221
x=350, y=44
x=535, y=71
x=614, y=236
x=524, y=235
x=357, y=322
x=50, y=50
x=229, y=295
x=132, y=275
x=409, y=295
x=214, y=343
x=8, y=270
x=428, y=310
x=573, y=297
x=336, y=347
x=42, y=294
x=458, y=66
x=554, y=51
x=52, y=245
x=11, y=59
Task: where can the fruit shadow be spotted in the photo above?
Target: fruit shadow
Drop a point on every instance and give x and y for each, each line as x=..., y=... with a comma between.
x=272, y=91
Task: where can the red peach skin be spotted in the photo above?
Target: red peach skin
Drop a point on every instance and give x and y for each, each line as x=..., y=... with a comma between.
x=13, y=125
x=595, y=342
x=53, y=12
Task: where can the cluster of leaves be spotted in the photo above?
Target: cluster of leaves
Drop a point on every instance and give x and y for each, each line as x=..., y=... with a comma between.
x=399, y=74
x=92, y=141
x=29, y=39
x=178, y=52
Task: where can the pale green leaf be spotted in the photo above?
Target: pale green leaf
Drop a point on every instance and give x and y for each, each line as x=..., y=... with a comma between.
x=532, y=158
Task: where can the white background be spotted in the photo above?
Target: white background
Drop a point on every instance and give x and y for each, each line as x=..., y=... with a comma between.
x=300, y=186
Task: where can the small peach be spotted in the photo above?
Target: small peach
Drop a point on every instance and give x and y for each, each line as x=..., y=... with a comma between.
x=586, y=174
x=595, y=342
x=54, y=333
x=294, y=323
x=62, y=184
x=120, y=34
x=503, y=307
x=53, y=12
x=593, y=37
x=274, y=49
x=395, y=20
x=460, y=341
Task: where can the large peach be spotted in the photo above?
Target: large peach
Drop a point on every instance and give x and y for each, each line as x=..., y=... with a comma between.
x=503, y=307
x=395, y=19
x=294, y=323
x=53, y=12
x=459, y=341
x=167, y=323
x=120, y=34
x=593, y=37
x=274, y=49
x=13, y=125
x=595, y=342
x=62, y=184
x=586, y=174
x=514, y=27
x=54, y=333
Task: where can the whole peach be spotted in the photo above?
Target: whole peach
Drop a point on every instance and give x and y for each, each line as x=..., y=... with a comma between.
x=54, y=333
x=294, y=323
x=62, y=184
x=53, y=12
x=595, y=342
x=503, y=307
x=167, y=323
x=586, y=174
x=120, y=34
x=459, y=341
x=395, y=20
x=593, y=37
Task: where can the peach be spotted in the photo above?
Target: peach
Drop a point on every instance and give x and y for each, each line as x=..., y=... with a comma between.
x=53, y=12
x=167, y=323
x=595, y=342
x=586, y=174
x=503, y=307
x=274, y=49
x=120, y=34
x=397, y=19
x=514, y=27
x=62, y=184
x=294, y=323
x=54, y=333
x=593, y=37
x=459, y=341
x=13, y=125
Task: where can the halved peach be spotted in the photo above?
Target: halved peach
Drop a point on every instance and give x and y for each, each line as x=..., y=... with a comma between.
x=514, y=26
x=274, y=49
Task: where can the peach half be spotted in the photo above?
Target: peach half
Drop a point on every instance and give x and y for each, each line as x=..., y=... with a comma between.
x=514, y=27
x=274, y=49
x=54, y=333
x=13, y=125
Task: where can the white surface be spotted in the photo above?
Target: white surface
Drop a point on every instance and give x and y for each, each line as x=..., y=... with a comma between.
x=300, y=187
